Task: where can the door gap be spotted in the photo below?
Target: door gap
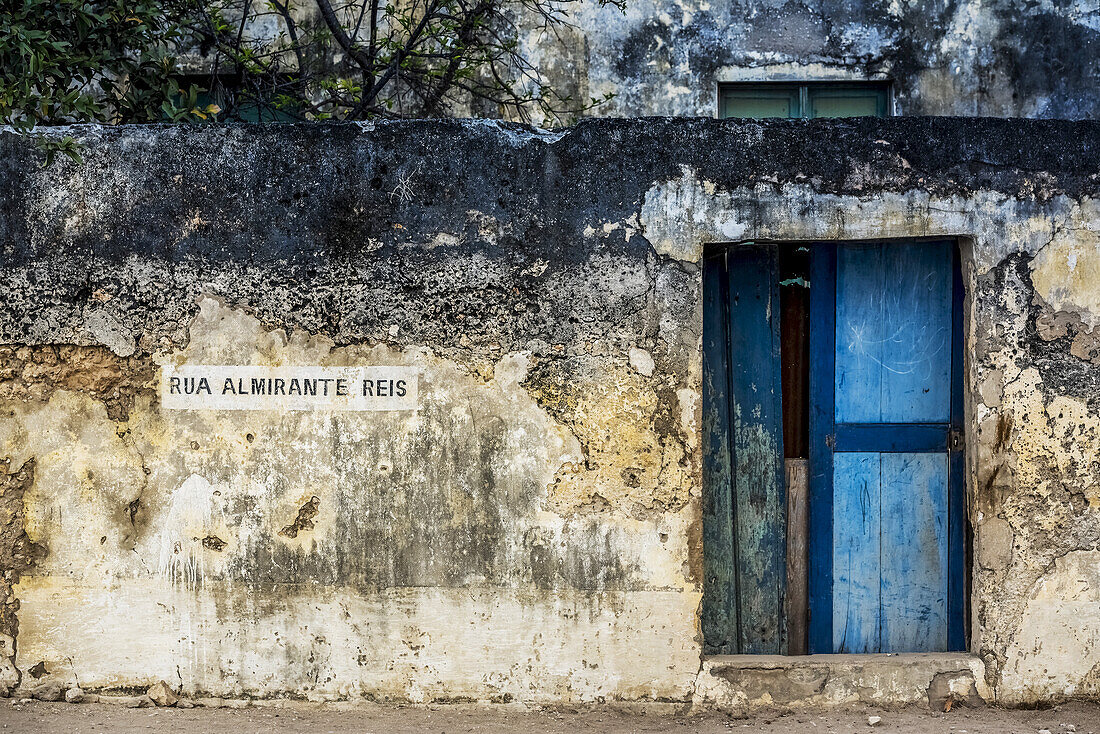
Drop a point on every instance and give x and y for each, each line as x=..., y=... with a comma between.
x=794, y=355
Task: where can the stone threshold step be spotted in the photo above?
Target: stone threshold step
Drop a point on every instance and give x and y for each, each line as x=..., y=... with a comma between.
x=747, y=683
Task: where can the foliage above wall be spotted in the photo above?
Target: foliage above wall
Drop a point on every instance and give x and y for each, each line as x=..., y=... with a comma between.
x=364, y=59
x=123, y=61
x=107, y=61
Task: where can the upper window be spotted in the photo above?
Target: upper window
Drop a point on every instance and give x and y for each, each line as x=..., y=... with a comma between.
x=221, y=89
x=804, y=100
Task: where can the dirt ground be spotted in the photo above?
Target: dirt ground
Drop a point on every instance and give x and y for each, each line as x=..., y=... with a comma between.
x=60, y=718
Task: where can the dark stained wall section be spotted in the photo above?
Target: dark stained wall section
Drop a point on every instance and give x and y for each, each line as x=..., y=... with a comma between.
x=945, y=57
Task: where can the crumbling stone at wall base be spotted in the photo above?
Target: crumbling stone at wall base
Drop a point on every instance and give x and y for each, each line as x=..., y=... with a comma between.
x=162, y=695
x=18, y=554
x=48, y=691
x=952, y=690
x=747, y=683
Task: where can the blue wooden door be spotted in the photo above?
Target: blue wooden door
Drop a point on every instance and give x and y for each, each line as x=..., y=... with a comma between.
x=744, y=532
x=887, y=517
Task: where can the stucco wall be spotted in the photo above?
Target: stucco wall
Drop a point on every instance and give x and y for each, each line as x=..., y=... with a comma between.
x=531, y=532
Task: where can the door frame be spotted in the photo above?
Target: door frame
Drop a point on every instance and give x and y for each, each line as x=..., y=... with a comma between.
x=824, y=440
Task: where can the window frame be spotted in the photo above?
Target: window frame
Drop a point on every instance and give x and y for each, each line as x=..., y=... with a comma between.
x=884, y=86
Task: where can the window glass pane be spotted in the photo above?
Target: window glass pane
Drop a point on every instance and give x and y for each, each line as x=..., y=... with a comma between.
x=760, y=101
x=847, y=102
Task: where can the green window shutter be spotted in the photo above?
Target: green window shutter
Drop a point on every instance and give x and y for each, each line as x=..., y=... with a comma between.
x=795, y=100
x=758, y=101
x=847, y=101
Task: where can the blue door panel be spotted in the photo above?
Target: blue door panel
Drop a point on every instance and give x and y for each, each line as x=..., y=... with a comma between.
x=856, y=572
x=917, y=313
x=913, y=536
x=719, y=608
x=859, y=335
x=893, y=333
x=756, y=419
x=744, y=519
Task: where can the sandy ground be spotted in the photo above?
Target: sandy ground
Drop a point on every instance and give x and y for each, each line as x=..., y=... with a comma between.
x=60, y=718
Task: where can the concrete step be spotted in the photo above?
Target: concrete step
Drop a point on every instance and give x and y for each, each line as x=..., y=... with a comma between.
x=747, y=683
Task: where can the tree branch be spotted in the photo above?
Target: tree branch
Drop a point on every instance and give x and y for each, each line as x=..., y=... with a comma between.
x=465, y=38
x=337, y=29
x=410, y=44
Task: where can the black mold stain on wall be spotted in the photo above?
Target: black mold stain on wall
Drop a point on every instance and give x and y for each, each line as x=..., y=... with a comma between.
x=310, y=196
x=1051, y=58
x=445, y=512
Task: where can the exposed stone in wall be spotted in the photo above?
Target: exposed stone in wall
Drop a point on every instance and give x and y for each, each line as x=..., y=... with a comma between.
x=35, y=373
x=18, y=555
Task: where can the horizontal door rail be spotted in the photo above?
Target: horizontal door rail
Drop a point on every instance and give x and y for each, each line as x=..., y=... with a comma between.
x=894, y=437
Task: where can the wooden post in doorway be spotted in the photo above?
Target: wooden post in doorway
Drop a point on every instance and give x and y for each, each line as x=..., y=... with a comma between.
x=797, y=611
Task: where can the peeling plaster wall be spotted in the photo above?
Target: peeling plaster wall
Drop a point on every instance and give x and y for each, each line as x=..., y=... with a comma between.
x=429, y=550
x=532, y=531
x=1000, y=58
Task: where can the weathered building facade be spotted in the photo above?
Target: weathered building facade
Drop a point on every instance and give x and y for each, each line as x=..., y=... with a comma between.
x=530, y=526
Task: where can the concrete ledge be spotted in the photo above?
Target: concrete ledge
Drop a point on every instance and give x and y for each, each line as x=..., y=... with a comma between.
x=746, y=683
